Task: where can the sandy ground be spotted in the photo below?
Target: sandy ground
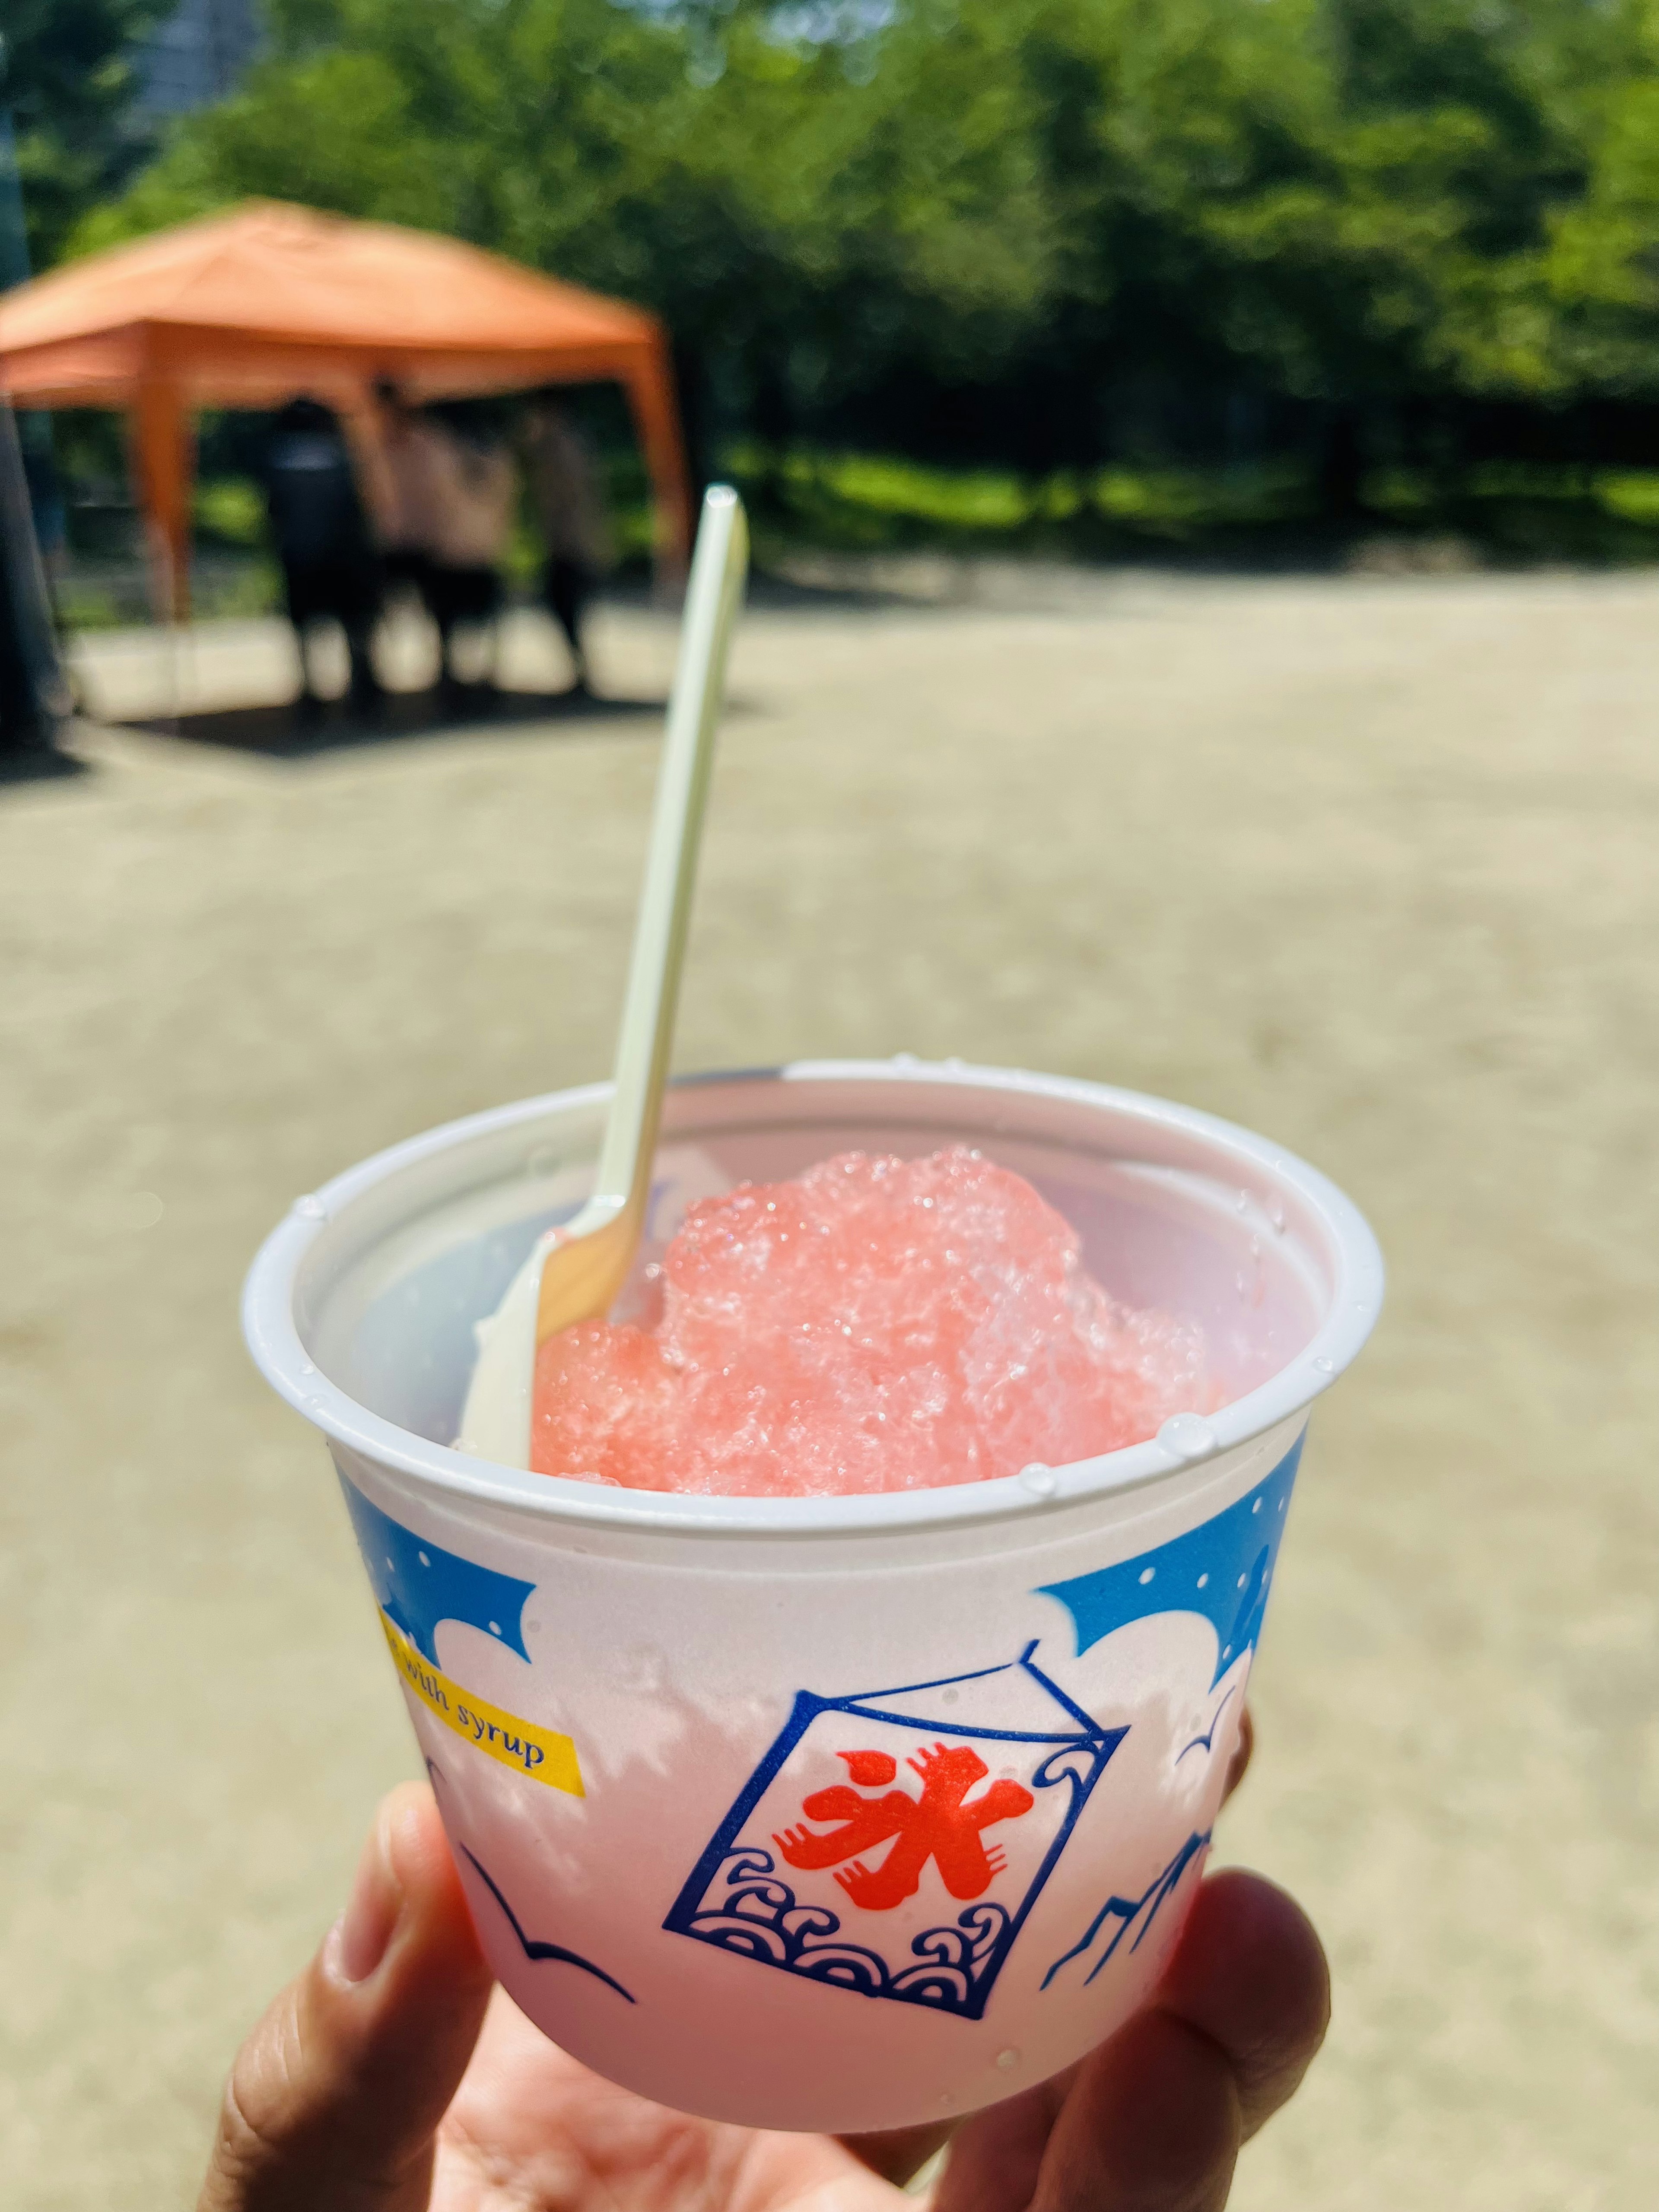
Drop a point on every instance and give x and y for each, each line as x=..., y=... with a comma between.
x=1369, y=865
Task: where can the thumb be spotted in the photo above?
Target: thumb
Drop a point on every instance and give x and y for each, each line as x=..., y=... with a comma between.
x=334, y=2098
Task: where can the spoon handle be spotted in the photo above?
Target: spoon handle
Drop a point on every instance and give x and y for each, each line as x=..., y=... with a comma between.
x=578, y=1286
x=713, y=595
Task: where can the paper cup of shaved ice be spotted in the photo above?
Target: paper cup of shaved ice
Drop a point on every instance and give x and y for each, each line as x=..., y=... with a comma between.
x=830, y=1722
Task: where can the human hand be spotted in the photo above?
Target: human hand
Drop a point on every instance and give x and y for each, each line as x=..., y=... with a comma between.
x=388, y=2078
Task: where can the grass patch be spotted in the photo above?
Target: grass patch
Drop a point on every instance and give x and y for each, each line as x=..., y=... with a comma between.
x=230, y=511
x=1504, y=514
x=1507, y=514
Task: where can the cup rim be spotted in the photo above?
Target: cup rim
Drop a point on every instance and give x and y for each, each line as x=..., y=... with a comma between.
x=273, y=1339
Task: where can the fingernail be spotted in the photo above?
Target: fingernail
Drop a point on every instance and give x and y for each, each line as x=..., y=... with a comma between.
x=363, y=1931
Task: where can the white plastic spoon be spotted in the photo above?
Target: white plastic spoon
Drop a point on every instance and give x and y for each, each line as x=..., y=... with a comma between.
x=576, y=1273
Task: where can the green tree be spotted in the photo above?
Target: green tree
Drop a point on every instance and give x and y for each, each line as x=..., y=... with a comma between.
x=703, y=163
x=1602, y=267
x=69, y=82
x=1009, y=212
x=808, y=219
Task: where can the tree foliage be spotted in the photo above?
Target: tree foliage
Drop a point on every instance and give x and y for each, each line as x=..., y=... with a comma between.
x=69, y=82
x=1036, y=211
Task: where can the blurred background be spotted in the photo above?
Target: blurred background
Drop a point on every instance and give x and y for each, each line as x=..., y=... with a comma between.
x=1205, y=463
x=1299, y=279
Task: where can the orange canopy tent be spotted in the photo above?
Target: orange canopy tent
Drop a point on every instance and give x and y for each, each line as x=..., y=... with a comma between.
x=249, y=308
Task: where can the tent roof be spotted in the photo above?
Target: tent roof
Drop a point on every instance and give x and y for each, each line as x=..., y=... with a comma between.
x=250, y=306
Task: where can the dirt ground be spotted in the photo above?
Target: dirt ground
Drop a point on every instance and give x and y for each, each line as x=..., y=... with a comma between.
x=1370, y=866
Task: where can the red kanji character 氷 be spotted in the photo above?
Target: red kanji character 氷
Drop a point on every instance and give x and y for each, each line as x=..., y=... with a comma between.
x=937, y=1825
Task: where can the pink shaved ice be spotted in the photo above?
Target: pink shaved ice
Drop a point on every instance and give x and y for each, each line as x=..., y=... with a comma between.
x=877, y=1324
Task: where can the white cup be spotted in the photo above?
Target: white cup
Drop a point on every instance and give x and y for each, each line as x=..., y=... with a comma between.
x=827, y=1812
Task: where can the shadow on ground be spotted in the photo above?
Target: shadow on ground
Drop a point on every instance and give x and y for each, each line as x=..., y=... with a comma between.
x=39, y=764
x=289, y=732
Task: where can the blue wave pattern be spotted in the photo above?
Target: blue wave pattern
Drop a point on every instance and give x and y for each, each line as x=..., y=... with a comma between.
x=417, y=1584
x=1222, y=1570
x=759, y=1915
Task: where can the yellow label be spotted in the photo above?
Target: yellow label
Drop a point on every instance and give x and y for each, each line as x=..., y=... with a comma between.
x=542, y=1753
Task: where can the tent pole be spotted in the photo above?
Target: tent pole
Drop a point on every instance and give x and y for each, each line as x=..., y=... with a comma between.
x=363, y=421
x=656, y=418
x=163, y=466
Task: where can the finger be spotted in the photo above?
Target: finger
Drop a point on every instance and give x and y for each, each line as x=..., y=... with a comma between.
x=1152, y=2122
x=334, y=2098
x=1249, y=1973
x=996, y=2156
x=1238, y=1764
x=900, y=2153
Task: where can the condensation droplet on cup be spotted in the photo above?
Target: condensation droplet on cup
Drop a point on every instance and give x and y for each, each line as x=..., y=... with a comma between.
x=1276, y=1216
x=311, y=1208
x=1008, y=2059
x=314, y=1405
x=947, y=2100
x=1186, y=1436
x=1243, y=1201
x=308, y=1367
x=905, y=1060
x=1040, y=1480
x=956, y=1063
x=1324, y=1366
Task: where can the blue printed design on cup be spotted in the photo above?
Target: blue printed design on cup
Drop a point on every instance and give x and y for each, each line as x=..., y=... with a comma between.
x=417, y=1584
x=892, y=1843
x=1125, y=1923
x=1222, y=1569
